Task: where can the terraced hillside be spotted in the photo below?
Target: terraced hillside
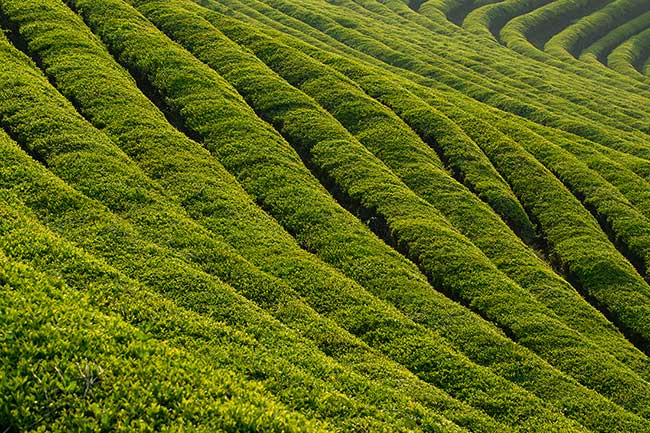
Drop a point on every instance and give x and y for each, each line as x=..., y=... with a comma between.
x=325, y=215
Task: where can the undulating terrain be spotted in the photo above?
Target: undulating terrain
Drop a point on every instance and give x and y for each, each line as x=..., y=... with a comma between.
x=325, y=216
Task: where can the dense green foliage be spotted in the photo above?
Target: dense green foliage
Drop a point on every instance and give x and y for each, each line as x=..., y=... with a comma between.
x=318, y=215
x=586, y=31
x=603, y=46
x=631, y=56
x=72, y=363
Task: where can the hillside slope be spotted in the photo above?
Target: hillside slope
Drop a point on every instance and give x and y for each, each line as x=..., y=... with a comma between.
x=325, y=215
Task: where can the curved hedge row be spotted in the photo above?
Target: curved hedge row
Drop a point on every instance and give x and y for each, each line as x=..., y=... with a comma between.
x=301, y=70
x=402, y=331
x=576, y=238
x=181, y=179
x=541, y=24
x=566, y=309
x=601, y=48
x=69, y=366
x=540, y=106
x=497, y=15
x=335, y=266
x=584, y=32
x=185, y=98
x=525, y=70
x=454, y=10
x=460, y=55
x=630, y=57
x=491, y=19
x=91, y=225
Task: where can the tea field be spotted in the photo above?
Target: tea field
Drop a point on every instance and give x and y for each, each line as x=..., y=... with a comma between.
x=325, y=216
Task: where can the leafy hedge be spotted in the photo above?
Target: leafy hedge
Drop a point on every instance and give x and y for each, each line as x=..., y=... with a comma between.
x=189, y=168
x=460, y=71
x=631, y=56
x=220, y=204
x=575, y=239
x=601, y=48
x=164, y=18
x=69, y=364
x=115, y=42
x=92, y=226
x=501, y=246
x=587, y=30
